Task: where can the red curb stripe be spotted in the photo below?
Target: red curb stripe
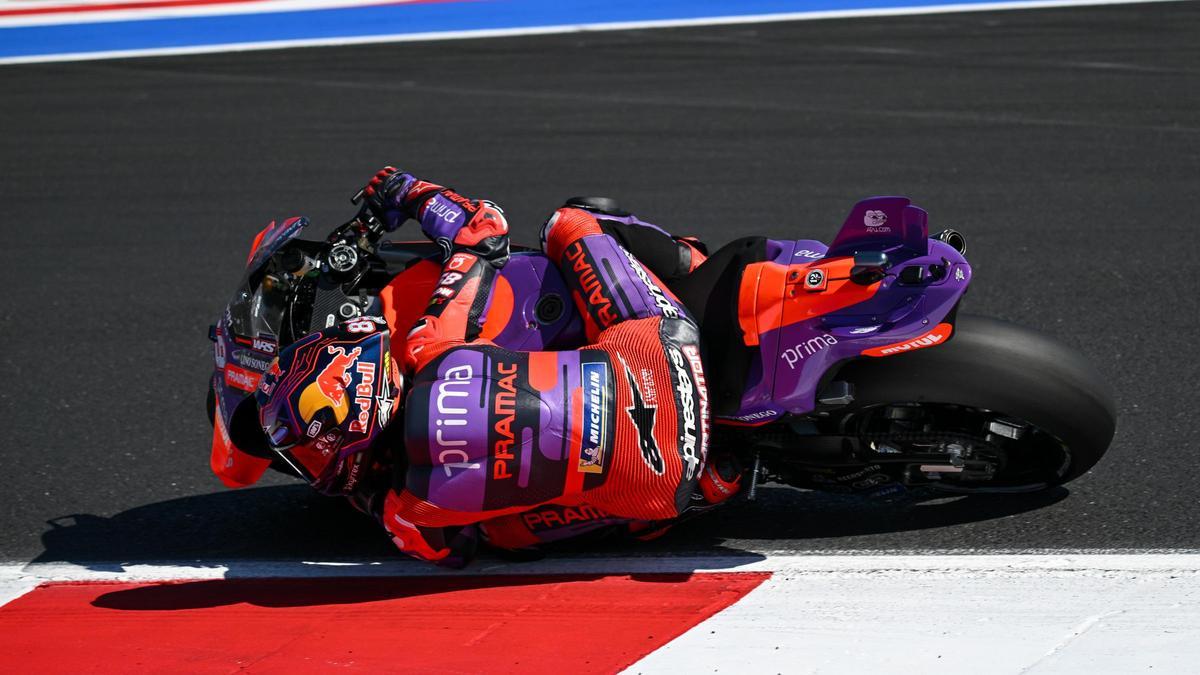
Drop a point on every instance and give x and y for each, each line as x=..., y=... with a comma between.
x=149, y=4
x=157, y=4
x=500, y=624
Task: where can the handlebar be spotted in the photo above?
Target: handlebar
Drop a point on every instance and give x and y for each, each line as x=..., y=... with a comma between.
x=363, y=231
x=354, y=241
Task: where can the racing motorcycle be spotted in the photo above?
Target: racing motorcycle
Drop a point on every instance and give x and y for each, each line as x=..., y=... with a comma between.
x=879, y=385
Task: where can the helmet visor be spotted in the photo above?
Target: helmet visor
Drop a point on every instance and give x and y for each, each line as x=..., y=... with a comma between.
x=312, y=454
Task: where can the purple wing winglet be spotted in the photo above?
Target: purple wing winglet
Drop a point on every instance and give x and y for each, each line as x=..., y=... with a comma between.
x=881, y=223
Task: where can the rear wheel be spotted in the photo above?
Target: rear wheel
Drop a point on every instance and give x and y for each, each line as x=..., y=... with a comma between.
x=959, y=448
x=999, y=406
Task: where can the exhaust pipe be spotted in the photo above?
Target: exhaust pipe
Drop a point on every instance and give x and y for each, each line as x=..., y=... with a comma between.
x=954, y=238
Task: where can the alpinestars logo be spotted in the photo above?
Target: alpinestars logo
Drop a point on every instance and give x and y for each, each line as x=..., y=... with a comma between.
x=660, y=299
x=643, y=418
x=385, y=400
x=687, y=405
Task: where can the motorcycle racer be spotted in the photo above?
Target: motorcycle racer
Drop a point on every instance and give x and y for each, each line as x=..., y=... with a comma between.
x=794, y=332
x=617, y=430
x=616, y=265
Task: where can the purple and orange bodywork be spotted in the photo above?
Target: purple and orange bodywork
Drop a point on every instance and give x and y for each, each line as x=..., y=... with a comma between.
x=806, y=314
x=802, y=310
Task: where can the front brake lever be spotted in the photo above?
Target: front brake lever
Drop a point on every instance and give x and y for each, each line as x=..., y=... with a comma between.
x=365, y=219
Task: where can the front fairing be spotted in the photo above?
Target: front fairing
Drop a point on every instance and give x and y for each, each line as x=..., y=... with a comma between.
x=245, y=342
x=256, y=308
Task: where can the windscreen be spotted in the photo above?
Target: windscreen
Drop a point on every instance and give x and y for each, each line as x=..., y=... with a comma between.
x=257, y=308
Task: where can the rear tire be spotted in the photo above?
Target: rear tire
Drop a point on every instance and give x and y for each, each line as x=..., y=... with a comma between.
x=997, y=366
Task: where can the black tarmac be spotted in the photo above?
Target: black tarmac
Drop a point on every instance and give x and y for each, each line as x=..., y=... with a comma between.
x=1064, y=143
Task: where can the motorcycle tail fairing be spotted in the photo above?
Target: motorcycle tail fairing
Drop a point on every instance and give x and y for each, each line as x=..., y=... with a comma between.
x=881, y=287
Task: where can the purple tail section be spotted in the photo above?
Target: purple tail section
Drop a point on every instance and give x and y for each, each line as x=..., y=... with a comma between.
x=882, y=223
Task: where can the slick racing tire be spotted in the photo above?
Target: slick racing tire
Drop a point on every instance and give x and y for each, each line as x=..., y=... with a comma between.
x=1047, y=395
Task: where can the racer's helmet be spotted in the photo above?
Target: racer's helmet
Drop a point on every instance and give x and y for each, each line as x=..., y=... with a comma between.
x=326, y=401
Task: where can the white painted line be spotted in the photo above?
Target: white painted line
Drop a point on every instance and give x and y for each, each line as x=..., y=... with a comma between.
x=982, y=615
x=848, y=614
x=568, y=28
x=14, y=587
x=841, y=566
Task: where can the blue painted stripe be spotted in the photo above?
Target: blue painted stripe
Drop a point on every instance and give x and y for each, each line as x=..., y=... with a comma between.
x=403, y=19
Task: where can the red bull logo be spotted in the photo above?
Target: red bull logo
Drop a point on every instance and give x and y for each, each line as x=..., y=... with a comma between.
x=334, y=379
x=363, y=394
x=328, y=390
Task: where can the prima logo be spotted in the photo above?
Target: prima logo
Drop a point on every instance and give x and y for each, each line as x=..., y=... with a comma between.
x=440, y=208
x=802, y=350
x=452, y=419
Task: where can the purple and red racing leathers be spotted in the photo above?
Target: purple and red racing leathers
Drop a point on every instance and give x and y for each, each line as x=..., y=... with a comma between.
x=525, y=447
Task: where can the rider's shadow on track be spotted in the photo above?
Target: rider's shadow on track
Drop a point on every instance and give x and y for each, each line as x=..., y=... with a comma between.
x=292, y=523
x=238, y=528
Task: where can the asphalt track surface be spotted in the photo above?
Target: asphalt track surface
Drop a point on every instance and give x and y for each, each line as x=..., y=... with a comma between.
x=1065, y=144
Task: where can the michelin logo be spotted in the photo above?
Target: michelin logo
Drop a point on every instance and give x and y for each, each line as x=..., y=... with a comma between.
x=595, y=417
